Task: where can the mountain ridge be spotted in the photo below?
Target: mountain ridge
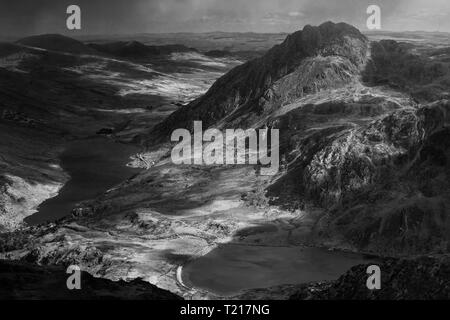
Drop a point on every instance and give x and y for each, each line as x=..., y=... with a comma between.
x=134, y=49
x=248, y=87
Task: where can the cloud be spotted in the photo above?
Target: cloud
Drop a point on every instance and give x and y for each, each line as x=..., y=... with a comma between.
x=283, y=19
x=295, y=14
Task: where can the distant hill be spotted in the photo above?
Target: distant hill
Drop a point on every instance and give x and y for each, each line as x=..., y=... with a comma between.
x=136, y=49
x=421, y=278
x=7, y=49
x=57, y=42
x=218, y=53
x=355, y=140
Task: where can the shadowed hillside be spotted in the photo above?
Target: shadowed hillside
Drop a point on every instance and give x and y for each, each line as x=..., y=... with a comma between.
x=353, y=136
x=56, y=42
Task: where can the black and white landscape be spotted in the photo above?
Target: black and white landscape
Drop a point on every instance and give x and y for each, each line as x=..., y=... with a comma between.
x=86, y=176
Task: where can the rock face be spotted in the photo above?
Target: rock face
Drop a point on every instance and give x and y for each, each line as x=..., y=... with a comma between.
x=315, y=58
x=19, y=280
x=385, y=184
x=54, y=89
x=424, y=278
x=425, y=73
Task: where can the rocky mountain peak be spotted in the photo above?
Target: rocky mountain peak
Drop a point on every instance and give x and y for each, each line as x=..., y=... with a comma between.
x=327, y=39
x=308, y=61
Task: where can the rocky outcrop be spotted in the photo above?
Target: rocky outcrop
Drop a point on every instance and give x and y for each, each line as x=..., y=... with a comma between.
x=372, y=158
x=355, y=159
x=384, y=185
x=363, y=168
x=23, y=281
x=424, y=278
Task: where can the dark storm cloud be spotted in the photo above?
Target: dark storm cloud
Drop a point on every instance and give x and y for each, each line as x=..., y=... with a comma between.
x=18, y=17
x=43, y=16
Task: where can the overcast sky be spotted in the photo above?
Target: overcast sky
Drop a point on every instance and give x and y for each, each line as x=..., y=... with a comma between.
x=25, y=17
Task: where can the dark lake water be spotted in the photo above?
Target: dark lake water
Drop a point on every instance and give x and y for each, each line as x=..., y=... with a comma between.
x=94, y=165
x=231, y=268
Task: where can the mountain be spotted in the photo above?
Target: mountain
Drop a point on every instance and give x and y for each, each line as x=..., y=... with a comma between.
x=383, y=185
x=363, y=130
x=309, y=60
x=424, y=74
x=56, y=42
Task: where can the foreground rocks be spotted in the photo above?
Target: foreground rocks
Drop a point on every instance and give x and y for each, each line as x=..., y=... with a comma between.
x=423, y=278
x=19, y=280
x=417, y=278
x=383, y=185
x=310, y=60
x=374, y=159
x=30, y=172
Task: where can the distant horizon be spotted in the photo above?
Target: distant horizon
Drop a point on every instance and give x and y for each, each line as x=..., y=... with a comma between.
x=20, y=18
x=75, y=36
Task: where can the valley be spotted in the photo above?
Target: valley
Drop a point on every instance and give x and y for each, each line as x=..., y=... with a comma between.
x=86, y=176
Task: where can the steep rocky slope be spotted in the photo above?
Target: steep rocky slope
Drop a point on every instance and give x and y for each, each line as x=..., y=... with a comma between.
x=135, y=49
x=384, y=185
x=29, y=172
x=315, y=58
x=56, y=42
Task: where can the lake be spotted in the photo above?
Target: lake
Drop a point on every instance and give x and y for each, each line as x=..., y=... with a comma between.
x=94, y=165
